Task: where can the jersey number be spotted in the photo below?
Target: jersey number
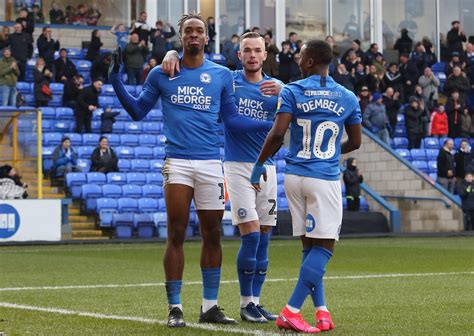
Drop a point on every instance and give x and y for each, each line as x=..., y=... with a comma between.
x=274, y=204
x=305, y=153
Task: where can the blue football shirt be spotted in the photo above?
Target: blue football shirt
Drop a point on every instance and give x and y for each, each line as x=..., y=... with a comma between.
x=191, y=104
x=320, y=108
x=122, y=39
x=251, y=103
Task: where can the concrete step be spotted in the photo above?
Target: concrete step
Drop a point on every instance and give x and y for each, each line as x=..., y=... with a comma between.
x=74, y=211
x=78, y=227
x=53, y=196
x=91, y=238
x=79, y=219
x=86, y=233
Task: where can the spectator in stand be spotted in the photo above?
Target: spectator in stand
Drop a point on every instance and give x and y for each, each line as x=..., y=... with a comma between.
x=11, y=186
x=37, y=14
x=456, y=37
x=455, y=62
x=404, y=43
x=70, y=17
x=457, y=81
x=211, y=31
x=21, y=45
x=107, y=121
x=380, y=65
x=375, y=118
x=351, y=61
x=439, y=123
x=414, y=123
x=425, y=117
x=355, y=46
x=430, y=84
x=372, y=54
x=410, y=75
x=64, y=159
x=225, y=29
x=445, y=164
x=335, y=54
x=465, y=124
x=454, y=108
x=95, y=44
x=141, y=28
x=352, y=180
x=420, y=58
x=121, y=34
x=100, y=67
x=104, y=159
x=4, y=34
x=469, y=55
x=239, y=29
x=47, y=46
x=150, y=65
x=93, y=15
x=81, y=17
x=392, y=107
x=72, y=90
x=295, y=72
x=393, y=78
x=286, y=58
x=351, y=29
x=374, y=80
x=230, y=50
x=292, y=40
x=64, y=68
x=463, y=160
x=343, y=77
x=9, y=73
x=360, y=77
x=43, y=77
x=270, y=65
x=27, y=21
x=135, y=55
x=158, y=38
x=466, y=192
x=364, y=98
x=56, y=16
x=430, y=55
x=87, y=102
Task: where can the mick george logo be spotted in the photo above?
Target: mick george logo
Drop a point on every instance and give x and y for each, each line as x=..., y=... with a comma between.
x=9, y=221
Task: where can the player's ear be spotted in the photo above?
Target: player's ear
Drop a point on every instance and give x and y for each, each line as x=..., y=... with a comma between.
x=207, y=40
x=265, y=54
x=310, y=62
x=239, y=55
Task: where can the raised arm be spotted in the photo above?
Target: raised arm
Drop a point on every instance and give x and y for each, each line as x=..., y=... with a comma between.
x=137, y=108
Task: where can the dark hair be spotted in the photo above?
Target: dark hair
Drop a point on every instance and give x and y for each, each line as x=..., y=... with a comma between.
x=94, y=32
x=446, y=141
x=372, y=45
x=45, y=27
x=159, y=22
x=102, y=137
x=60, y=50
x=189, y=16
x=291, y=34
x=98, y=79
x=66, y=138
x=142, y=12
x=320, y=51
x=250, y=35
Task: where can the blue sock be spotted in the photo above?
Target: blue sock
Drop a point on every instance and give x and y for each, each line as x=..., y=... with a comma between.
x=262, y=264
x=173, y=291
x=311, y=274
x=210, y=282
x=246, y=262
x=317, y=294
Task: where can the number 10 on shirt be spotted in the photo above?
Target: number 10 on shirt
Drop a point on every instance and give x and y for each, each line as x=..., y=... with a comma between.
x=330, y=151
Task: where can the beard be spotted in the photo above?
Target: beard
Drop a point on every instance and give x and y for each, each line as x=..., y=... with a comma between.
x=193, y=50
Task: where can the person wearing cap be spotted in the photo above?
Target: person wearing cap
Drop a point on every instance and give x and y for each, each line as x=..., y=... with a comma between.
x=456, y=37
x=457, y=81
x=375, y=118
x=413, y=123
x=455, y=61
x=87, y=103
x=409, y=73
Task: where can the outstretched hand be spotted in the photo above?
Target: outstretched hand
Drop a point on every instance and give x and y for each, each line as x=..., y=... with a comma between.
x=170, y=63
x=116, y=62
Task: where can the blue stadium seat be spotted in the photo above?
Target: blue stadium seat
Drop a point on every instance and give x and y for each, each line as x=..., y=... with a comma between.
x=433, y=176
x=127, y=205
x=64, y=113
x=57, y=88
x=400, y=118
x=418, y=154
x=89, y=194
x=52, y=139
x=62, y=125
x=83, y=65
x=76, y=138
x=138, y=165
x=155, y=115
x=148, y=205
x=160, y=139
x=343, y=189
x=217, y=58
x=136, y=178
x=124, y=152
x=154, y=178
x=432, y=154
x=84, y=164
x=152, y=191
x=117, y=103
x=74, y=182
x=96, y=178
x=24, y=87
x=282, y=203
x=133, y=128
x=124, y=165
x=281, y=191
x=123, y=116
x=106, y=101
x=48, y=152
x=404, y=153
x=29, y=99
x=430, y=143
x=90, y=139
x=95, y=126
x=280, y=166
x=364, y=206
x=438, y=67
x=147, y=140
x=144, y=153
x=85, y=152
x=160, y=219
x=56, y=100
x=108, y=90
x=48, y=113
x=106, y=208
x=144, y=224
x=159, y=152
x=46, y=126
x=132, y=191
x=117, y=178
x=118, y=127
x=123, y=224
x=114, y=139
x=433, y=166
x=400, y=142
x=280, y=178
x=156, y=165
x=129, y=140
x=400, y=131
x=74, y=53
x=421, y=165
x=152, y=127
x=162, y=205
x=111, y=191
x=442, y=140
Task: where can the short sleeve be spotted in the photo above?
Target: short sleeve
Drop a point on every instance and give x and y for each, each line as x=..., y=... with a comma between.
x=286, y=101
x=228, y=95
x=355, y=116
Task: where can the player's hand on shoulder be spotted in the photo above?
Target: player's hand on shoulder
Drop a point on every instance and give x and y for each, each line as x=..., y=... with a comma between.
x=170, y=63
x=270, y=88
x=257, y=171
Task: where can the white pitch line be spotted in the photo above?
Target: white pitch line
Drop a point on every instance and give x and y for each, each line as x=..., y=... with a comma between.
x=160, y=284
x=203, y=326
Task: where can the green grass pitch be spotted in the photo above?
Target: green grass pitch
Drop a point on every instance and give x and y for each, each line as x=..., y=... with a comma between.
x=384, y=286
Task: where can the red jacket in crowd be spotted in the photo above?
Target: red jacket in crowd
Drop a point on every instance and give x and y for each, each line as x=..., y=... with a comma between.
x=439, y=123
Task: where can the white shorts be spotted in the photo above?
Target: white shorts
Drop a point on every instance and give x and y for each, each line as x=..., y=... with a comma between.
x=205, y=176
x=246, y=204
x=315, y=206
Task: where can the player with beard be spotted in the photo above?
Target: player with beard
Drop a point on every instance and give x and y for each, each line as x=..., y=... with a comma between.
x=192, y=105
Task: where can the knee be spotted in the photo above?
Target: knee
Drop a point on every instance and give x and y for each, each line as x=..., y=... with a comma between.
x=176, y=237
x=212, y=236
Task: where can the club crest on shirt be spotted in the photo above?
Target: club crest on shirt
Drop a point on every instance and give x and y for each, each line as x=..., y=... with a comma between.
x=205, y=78
x=242, y=213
